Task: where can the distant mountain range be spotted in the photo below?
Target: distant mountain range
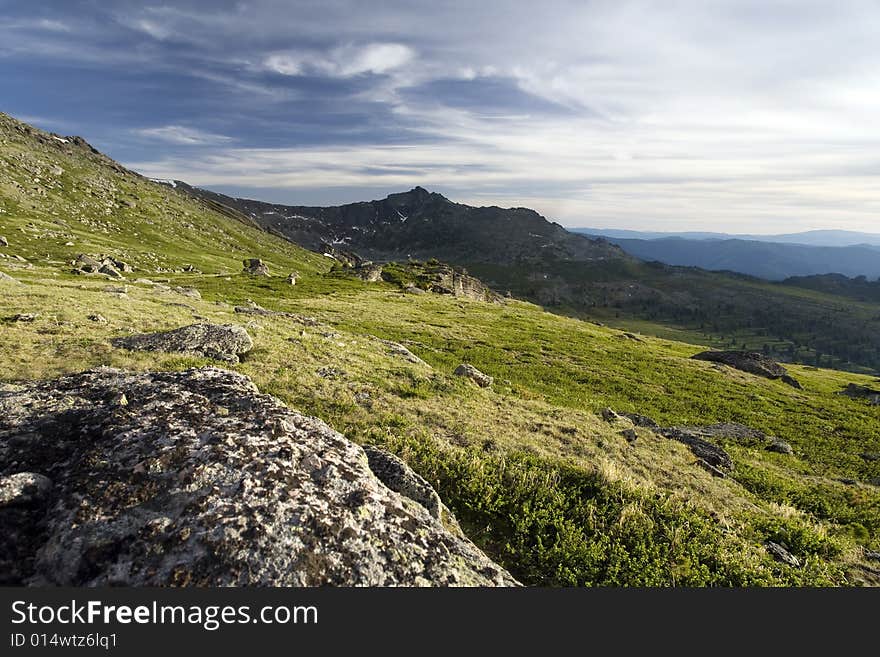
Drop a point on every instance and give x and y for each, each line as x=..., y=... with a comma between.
x=773, y=257
x=808, y=238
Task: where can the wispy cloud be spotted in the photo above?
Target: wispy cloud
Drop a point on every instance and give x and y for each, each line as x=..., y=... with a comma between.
x=177, y=134
x=347, y=61
x=754, y=114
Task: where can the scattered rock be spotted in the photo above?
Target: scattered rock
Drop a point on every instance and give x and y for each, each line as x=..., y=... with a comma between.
x=144, y=281
x=750, y=361
x=329, y=373
x=6, y=278
x=399, y=477
x=711, y=469
x=86, y=264
x=702, y=449
x=780, y=553
x=291, y=278
x=862, y=392
x=23, y=488
x=872, y=555
x=255, y=267
x=412, y=289
x=24, y=317
x=100, y=319
x=399, y=350
x=3, y=241
x=188, y=292
x=114, y=289
x=632, y=336
x=221, y=341
x=609, y=415
x=253, y=310
x=630, y=435
x=475, y=375
x=110, y=270
x=780, y=447
x=368, y=272
x=641, y=420
x=169, y=491
x=870, y=456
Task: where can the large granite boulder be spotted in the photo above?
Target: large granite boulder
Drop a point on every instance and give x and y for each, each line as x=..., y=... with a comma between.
x=220, y=341
x=195, y=478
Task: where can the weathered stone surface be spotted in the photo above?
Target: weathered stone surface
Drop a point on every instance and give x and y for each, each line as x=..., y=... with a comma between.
x=6, y=278
x=368, y=272
x=641, y=420
x=23, y=488
x=221, y=341
x=3, y=241
x=291, y=278
x=255, y=267
x=749, y=361
x=110, y=271
x=856, y=391
x=97, y=317
x=399, y=477
x=779, y=553
x=86, y=263
x=201, y=480
x=780, y=447
x=412, y=289
x=190, y=292
x=630, y=435
x=399, y=350
x=701, y=448
x=475, y=375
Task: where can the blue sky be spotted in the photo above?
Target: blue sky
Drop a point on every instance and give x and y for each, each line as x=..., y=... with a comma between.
x=737, y=116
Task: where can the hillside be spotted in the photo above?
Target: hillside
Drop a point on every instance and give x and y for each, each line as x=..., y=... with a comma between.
x=772, y=261
x=540, y=476
x=519, y=251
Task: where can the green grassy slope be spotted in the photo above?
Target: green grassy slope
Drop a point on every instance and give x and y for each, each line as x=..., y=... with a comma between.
x=538, y=480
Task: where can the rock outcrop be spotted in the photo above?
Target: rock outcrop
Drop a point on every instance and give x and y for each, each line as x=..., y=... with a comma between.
x=221, y=341
x=112, y=267
x=397, y=349
x=475, y=375
x=196, y=479
x=752, y=362
x=706, y=452
x=856, y=391
x=255, y=267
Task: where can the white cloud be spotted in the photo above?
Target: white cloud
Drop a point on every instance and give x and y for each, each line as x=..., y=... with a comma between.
x=176, y=134
x=342, y=62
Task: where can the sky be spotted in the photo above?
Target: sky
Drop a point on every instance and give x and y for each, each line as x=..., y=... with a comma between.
x=739, y=116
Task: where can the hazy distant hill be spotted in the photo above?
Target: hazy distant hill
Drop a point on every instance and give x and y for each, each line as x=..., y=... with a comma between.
x=768, y=260
x=809, y=238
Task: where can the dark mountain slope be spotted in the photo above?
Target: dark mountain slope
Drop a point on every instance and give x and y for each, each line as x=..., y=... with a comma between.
x=421, y=224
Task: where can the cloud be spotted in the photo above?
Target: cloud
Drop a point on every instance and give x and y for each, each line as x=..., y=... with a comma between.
x=731, y=113
x=343, y=62
x=176, y=134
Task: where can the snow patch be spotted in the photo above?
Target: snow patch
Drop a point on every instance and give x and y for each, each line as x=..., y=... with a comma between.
x=402, y=216
x=163, y=181
x=61, y=139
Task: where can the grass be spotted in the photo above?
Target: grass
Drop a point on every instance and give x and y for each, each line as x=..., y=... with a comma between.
x=536, y=478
